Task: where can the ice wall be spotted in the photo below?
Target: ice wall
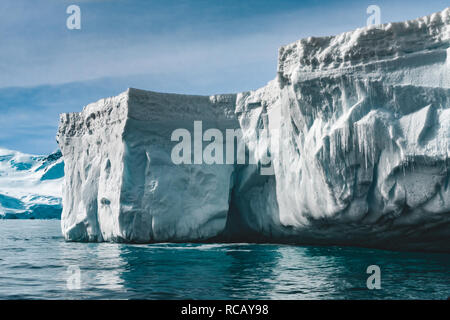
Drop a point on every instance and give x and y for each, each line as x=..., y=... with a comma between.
x=364, y=138
x=121, y=183
x=356, y=126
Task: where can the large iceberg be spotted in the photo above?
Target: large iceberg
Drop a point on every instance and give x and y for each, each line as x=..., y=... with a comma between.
x=354, y=129
x=30, y=185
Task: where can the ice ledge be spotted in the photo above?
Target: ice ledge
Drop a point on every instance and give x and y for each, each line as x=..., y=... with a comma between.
x=366, y=45
x=147, y=106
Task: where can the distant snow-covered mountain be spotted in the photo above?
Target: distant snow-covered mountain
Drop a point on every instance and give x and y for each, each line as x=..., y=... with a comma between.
x=30, y=186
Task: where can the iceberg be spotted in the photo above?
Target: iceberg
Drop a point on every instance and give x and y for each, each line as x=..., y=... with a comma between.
x=355, y=129
x=30, y=186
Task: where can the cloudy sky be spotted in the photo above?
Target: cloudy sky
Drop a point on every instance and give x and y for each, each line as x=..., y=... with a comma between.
x=182, y=46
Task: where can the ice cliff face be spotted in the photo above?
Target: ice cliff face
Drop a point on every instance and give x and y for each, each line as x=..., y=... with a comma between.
x=121, y=184
x=30, y=186
x=356, y=126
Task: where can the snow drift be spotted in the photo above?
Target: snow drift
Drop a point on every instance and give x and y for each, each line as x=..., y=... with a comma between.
x=30, y=186
x=360, y=155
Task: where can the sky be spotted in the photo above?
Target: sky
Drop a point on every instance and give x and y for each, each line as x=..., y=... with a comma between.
x=180, y=46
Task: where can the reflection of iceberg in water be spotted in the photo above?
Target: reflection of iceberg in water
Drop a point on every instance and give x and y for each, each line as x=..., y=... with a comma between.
x=251, y=271
x=245, y=271
x=100, y=267
x=39, y=269
x=340, y=273
x=323, y=272
x=112, y=264
x=194, y=271
x=299, y=275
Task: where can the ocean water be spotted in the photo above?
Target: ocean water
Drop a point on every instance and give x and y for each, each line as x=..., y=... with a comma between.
x=36, y=263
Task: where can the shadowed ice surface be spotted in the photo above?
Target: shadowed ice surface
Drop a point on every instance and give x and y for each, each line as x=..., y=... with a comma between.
x=34, y=263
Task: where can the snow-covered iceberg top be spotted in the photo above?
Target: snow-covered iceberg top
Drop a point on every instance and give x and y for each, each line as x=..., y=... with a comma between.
x=368, y=45
x=355, y=127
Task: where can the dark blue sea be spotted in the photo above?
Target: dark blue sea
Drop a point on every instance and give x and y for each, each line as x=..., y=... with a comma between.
x=36, y=263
